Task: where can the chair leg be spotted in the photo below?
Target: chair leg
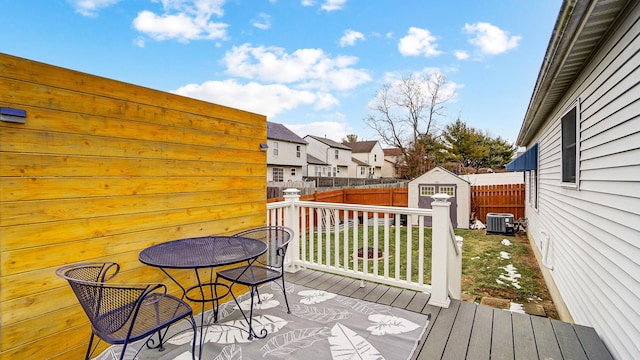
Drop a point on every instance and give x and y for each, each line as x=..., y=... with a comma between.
x=124, y=348
x=195, y=336
x=258, y=295
x=284, y=291
x=253, y=289
x=88, y=355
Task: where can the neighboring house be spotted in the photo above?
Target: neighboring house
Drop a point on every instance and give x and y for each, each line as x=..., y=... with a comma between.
x=392, y=162
x=286, y=155
x=367, y=159
x=335, y=158
x=582, y=164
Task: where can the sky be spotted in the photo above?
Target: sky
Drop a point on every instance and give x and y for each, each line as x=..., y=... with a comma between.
x=313, y=65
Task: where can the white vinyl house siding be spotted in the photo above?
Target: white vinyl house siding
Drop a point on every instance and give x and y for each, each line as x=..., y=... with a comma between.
x=286, y=159
x=595, y=229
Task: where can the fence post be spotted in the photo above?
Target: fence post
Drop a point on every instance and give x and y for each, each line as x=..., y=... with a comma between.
x=292, y=221
x=440, y=251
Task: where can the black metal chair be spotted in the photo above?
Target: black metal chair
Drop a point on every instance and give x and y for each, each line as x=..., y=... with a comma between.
x=267, y=268
x=124, y=313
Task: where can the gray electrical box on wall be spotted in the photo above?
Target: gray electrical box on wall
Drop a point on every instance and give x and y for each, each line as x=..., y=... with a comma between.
x=13, y=115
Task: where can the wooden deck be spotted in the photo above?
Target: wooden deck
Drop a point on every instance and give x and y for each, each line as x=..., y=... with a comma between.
x=471, y=331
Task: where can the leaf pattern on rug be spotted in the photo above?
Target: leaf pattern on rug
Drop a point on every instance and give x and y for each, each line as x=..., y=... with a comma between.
x=346, y=344
x=266, y=302
x=363, y=307
x=235, y=331
x=289, y=287
x=224, y=310
x=310, y=297
x=113, y=353
x=230, y=352
x=321, y=315
x=291, y=341
x=387, y=324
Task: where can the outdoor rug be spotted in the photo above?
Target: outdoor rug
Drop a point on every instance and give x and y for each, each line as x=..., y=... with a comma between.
x=321, y=326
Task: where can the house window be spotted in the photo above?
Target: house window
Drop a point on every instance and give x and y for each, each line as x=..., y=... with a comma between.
x=570, y=151
x=335, y=171
x=361, y=170
x=298, y=151
x=318, y=171
x=375, y=157
x=275, y=148
x=337, y=152
x=427, y=190
x=449, y=190
x=278, y=174
x=293, y=171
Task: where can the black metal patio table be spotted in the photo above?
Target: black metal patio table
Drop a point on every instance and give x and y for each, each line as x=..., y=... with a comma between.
x=203, y=254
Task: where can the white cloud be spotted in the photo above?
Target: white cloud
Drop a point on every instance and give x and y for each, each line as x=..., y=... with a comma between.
x=461, y=55
x=183, y=20
x=263, y=21
x=90, y=8
x=305, y=68
x=331, y=5
x=350, y=37
x=490, y=39
x=308, y=2
x=269, y=100
x=418, y=42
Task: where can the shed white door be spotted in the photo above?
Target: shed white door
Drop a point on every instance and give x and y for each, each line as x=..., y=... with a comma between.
x=428, y=190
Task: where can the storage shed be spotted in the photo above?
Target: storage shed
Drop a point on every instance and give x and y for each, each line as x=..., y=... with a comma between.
x=440, y=180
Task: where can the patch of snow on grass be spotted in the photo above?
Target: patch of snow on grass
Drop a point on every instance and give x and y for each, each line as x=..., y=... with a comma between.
x=511, y=276
x=505, y=255
x=475, y=258
x=506, y=242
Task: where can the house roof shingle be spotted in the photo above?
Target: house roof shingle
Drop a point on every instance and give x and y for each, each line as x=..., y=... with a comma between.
x=392, y=152
x=329, y=142
x=277, y=131
x=361, y=146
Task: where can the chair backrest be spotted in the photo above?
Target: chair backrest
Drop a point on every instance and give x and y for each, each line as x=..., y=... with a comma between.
x=109, y=306
x=277, y=239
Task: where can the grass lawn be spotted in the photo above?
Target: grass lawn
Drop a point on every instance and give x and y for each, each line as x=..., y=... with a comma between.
x=494, y=266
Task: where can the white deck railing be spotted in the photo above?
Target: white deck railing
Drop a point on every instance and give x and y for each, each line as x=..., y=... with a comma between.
x=338, y=238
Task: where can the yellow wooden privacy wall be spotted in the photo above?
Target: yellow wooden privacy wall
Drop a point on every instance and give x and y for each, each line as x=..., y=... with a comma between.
x=100, y=170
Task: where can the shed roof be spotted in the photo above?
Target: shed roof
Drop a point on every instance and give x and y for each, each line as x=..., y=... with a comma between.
x=440, y=169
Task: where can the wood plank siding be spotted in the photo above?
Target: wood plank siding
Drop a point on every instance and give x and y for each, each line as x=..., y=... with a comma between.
x=469, y=331
x=100, y=170
x=593, y=229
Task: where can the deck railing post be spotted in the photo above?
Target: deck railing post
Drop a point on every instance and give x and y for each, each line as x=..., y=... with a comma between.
x=292, y=221
x=440, y=251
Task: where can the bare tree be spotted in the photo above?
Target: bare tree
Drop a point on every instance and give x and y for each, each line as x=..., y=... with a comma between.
x=406, y=111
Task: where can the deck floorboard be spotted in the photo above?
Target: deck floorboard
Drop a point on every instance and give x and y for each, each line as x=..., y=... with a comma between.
x=468, y=330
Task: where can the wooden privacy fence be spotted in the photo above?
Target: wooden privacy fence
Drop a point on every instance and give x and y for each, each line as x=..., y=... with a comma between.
x=379, y=196
x=508, y=198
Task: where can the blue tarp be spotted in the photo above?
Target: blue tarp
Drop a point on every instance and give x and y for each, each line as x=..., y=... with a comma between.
x=526, y=161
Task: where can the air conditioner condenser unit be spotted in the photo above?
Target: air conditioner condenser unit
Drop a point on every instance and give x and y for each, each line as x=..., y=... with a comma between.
x=500, y=224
